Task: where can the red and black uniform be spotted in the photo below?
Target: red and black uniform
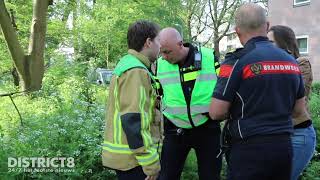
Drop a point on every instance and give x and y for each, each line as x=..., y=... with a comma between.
x=262, y=83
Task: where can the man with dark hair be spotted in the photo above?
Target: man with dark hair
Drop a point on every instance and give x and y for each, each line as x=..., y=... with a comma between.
x=129, y=146
x=259, y=90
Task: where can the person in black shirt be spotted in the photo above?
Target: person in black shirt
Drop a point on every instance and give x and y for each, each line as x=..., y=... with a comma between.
x=259, y=90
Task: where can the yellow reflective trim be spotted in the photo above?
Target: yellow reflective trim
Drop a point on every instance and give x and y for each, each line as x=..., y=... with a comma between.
x=190, y=76
x=218, y=71
x=116, y=118
x=116, y=145
x=116, y=151
x=116, y=148
x=144, y=118
x=148, y=159
x=151, y=112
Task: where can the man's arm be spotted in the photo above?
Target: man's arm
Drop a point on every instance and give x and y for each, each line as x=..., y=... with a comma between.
x=299, y=108
x=306, y=73
x=219, y=109
x=135, y=115
x=225, y=90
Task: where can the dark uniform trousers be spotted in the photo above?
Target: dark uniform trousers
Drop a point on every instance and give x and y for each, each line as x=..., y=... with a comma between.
x=261, y=158
x=132, y=174
x=205, y=140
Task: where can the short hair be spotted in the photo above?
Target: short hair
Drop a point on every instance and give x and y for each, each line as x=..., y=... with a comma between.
x=285, y=39
x=139, y=32
x=250, y=17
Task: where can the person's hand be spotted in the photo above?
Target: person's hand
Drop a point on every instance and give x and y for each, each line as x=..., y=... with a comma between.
x=154, y=177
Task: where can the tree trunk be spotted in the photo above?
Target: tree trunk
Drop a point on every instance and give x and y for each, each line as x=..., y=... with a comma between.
x=216, y=48
x=11, y=38
x=189, y=29
x=76, y=40
x=37, y=44
x=31, y=66
x=14, y=72
x=107, y=59
x=15, y=76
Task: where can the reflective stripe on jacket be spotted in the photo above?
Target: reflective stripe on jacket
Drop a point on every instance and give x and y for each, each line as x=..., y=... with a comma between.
x=128, y=140
x=175, y=107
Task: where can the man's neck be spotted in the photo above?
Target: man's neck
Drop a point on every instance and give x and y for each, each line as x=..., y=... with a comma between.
x=247, y=37
x=185, y=52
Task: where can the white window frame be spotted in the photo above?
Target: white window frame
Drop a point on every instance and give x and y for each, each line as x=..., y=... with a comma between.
x=303, y=37
x=300, y=3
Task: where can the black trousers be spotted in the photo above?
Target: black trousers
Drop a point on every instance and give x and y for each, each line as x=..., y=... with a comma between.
x=205, y=140
x=132, y=174
x=260, y=160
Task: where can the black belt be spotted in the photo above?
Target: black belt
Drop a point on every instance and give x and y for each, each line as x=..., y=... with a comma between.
x=262, y=139
x=304, y=124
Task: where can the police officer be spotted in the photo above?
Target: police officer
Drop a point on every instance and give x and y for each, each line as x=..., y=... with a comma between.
x=261, y=88
x=187, y=74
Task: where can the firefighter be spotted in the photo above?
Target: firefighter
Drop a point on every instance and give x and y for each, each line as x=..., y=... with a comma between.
x=260, y=90
x=129, y=146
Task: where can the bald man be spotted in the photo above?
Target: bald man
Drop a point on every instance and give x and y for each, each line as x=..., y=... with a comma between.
x=259, y=90
x=188, y=76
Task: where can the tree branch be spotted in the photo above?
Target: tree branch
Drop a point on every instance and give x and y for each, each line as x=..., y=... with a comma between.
x=11, y=38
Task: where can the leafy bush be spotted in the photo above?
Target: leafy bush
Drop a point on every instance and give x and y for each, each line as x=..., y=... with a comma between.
x=316, y=88
x=313, y=169
x=64, y=119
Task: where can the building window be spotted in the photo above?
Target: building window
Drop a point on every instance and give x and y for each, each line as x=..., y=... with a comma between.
x=300, y=2
x=303, y=44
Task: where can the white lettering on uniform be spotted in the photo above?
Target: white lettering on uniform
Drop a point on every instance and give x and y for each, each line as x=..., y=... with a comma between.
x=272, y=67
x=287, y=67
x=281, y=67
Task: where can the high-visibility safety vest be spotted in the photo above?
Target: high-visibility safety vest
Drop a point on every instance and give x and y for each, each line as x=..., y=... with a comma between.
x=174, y=105
x=128, y=62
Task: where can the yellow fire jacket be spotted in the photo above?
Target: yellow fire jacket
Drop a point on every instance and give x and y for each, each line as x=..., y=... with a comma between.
x=129, y=139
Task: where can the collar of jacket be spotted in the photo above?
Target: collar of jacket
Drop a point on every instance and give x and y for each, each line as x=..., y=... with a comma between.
x=256, y=39
x=302, y=59
x=141, y=57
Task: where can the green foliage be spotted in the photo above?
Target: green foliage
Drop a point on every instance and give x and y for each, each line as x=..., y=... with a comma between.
x=315, y=111
x=22, y=15
x=316, y=88
x=190, y=170
x=313, y=171
x=64, y=119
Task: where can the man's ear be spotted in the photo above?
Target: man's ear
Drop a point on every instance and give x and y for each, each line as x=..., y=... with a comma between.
x=237, y=30
x=268, y=25
x=148, y=42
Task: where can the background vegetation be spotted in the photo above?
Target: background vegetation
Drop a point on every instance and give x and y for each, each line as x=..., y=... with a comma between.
x=66, y=117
